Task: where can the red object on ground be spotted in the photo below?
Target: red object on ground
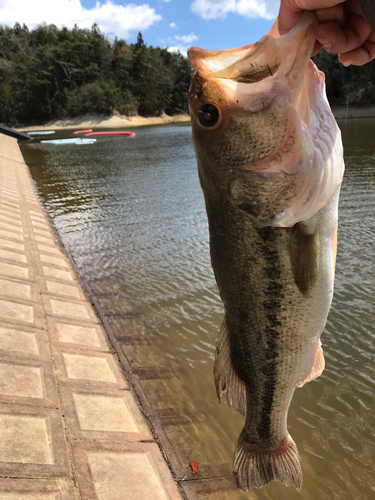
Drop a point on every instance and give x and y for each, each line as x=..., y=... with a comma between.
x=82, y=131
x=129, y=134
x=194, y=467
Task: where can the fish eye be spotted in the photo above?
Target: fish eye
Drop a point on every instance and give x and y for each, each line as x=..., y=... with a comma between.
x=209, y=115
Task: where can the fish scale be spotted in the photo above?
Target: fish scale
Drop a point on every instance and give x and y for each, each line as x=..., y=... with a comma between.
x=270, y=164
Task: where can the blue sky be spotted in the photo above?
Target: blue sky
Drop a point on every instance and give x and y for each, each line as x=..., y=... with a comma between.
x=228, y=30
x=211, y=24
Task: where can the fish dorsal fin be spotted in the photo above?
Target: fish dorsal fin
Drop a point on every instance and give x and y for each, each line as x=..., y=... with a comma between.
x=226, y=379
x=304, y=251
x=317, y=367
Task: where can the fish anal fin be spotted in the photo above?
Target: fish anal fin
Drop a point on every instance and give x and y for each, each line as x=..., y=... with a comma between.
x=304, y=251
x=334, y=245
x=254, y=468
x=317, y=367
x=226, y=379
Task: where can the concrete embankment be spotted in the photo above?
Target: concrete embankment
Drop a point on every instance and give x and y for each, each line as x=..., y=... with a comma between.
x=70, y=423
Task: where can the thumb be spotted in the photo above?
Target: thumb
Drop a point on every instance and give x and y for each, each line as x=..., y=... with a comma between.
x=291, y=11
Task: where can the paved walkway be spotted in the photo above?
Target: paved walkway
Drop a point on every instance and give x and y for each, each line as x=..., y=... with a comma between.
x=70, y=426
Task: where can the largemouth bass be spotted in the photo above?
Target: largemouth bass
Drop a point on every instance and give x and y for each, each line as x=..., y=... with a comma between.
x=270, y=164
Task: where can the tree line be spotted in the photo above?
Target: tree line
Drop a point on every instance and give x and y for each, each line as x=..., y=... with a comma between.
x=48, y=73
x=351, y=86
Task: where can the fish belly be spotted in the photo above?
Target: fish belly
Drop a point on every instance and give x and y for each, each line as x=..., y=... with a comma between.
x=276, y=285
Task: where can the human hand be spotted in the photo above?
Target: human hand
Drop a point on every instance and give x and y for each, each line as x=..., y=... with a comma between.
x=342, y=30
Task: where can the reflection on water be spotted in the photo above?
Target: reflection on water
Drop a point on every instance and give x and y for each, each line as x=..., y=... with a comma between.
x=131, y=213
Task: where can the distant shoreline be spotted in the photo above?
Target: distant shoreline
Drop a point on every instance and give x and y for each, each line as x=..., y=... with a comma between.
x=117, y=121
x=101, y=121
x=343, y=112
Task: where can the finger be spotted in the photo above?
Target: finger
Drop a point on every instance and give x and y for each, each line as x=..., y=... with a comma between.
x=289, y=15
x=354, y=6
x=357, y=57
x=291, y=11
x=315, y=4
x=334, y=14
x=360, y=56
x=346, y=39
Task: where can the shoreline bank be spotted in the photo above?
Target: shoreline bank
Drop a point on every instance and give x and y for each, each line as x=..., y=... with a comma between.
x=102, y=121
x=343, y=112
x=64, y=368
x=117, y=121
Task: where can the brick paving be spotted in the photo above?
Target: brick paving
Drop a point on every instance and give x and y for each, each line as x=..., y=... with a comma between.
x=70, y=425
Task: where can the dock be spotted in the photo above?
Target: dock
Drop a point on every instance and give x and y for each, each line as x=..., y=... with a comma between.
x=71, y=425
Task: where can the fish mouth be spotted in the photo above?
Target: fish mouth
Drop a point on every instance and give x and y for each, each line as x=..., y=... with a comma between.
x=248, y=64
x=259, y=62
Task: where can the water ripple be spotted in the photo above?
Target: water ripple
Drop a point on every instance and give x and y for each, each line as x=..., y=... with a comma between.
x=137, y=228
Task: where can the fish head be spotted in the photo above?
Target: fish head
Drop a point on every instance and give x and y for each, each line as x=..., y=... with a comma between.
x=254, y=123
x=233, y=103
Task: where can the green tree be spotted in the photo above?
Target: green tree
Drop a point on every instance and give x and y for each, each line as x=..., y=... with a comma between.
x=49, y=72
x=352, y=85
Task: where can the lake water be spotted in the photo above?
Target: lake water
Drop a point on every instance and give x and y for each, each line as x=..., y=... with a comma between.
x=131, y=213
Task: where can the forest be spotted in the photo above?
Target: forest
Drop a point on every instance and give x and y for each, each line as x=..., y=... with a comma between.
x=351, y=86
x=51, y=73
x=48, y=73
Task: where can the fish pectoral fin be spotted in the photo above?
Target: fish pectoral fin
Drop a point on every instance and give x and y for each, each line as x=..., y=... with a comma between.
x=262, y=195
x=226, y=379
x=304, y=252
x=317, y=368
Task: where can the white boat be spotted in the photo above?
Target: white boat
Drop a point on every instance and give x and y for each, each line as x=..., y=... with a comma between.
x=45, y=132
x=77, y=140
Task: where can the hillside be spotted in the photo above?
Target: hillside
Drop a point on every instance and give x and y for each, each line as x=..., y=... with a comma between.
x=50, y=73
x=353, y=86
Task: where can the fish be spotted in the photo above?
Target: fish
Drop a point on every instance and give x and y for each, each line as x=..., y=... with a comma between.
x=270, y=165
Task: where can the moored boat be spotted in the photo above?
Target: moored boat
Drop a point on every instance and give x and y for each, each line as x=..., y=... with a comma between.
x=40, y=132
x=77, y=140
x=114, y=133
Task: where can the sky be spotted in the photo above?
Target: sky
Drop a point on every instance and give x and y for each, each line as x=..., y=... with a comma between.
x=177, y=24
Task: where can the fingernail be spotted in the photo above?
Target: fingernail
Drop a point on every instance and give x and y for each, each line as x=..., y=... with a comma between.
x=327, y=44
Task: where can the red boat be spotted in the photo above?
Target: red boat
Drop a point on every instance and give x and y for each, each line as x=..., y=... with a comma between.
x=82, y=131
x=128, y=134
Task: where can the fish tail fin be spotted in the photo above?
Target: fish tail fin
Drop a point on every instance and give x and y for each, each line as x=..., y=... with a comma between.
x=226, y=379
x=254, y=468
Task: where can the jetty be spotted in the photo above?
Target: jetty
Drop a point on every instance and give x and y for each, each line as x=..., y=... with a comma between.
x=71, y=425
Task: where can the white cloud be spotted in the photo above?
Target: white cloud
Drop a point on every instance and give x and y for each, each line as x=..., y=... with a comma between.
x=186, y=38
x=212, y=9
x=179, y=48
x=112, y=19
x=173, y=25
